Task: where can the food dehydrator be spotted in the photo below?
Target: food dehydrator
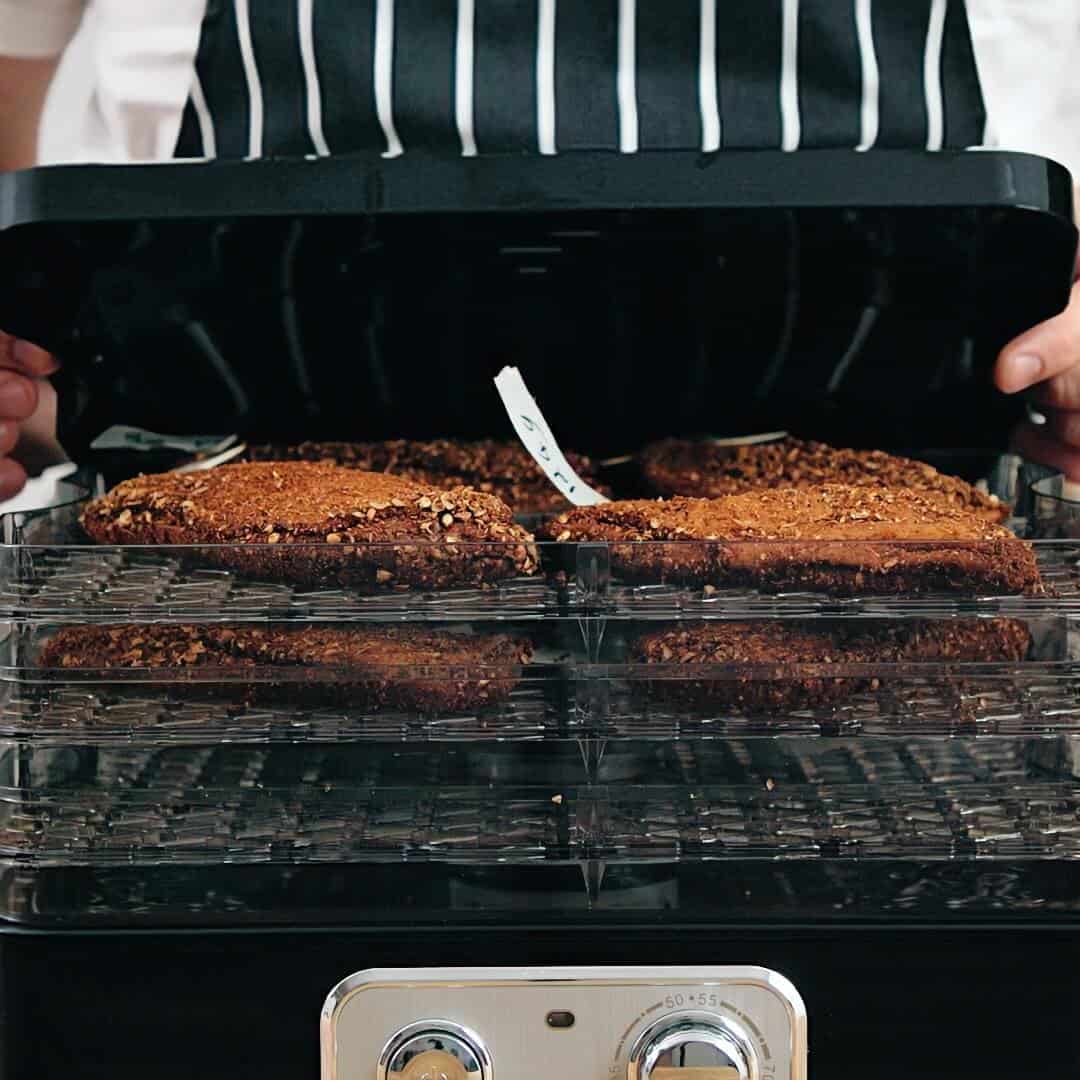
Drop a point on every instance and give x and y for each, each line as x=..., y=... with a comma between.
x=248, y=872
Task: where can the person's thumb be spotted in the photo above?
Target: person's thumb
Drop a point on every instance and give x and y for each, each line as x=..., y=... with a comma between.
x=25, y=357
x=38, y=446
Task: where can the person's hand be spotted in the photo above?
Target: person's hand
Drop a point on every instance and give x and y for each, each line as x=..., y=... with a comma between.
x=27, y=408
x=1046, y=361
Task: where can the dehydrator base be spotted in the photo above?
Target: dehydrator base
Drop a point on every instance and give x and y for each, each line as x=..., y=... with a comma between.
x=887, y=1004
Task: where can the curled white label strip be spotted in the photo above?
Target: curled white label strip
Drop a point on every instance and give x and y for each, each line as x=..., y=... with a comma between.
x=536, y=437
x=751, y=440
x=213, y=461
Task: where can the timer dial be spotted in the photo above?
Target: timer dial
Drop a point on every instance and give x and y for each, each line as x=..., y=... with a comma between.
x=693, y=1046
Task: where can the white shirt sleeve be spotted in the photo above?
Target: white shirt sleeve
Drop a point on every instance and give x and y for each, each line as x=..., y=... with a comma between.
x=1026, y=51
x=121, y=87
x=38, y=28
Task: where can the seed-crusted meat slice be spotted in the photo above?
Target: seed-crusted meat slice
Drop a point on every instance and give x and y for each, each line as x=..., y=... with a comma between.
x=505, y=469
x=834, y=538
x=708, y=470
x=320, y=524
x=399, y=668
x=780, y=666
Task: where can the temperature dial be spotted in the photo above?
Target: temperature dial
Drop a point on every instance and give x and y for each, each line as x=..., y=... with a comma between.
x=693, y=1046
x=435, y=1050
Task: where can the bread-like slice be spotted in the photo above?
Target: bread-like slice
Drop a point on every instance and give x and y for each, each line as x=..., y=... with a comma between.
x=319, y=524
x=833, y=538
x=505, y=469
x=708, y=470
x=399, y=668
x=780, y=666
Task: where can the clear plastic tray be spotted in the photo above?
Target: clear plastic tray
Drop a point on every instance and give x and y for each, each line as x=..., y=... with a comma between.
x=251, y=833
x=165, y=794
x=49, y=571
x=412, y=894
x=583, y=683
x=83, y=582
x=933, y=799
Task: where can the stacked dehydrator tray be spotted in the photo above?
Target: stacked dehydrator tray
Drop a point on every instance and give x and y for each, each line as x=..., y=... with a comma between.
x=192, y=857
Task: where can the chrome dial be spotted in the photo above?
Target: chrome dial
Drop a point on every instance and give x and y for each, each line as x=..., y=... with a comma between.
x=693, y=1046
x=435, y=1050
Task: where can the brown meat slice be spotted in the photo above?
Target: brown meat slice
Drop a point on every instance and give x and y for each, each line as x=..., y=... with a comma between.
x=709, y=470
x=402, y=668
x=834, y=538
x=313, y=523
x=780, y=666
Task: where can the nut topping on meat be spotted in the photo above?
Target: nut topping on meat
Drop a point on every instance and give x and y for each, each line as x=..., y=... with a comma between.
x=362, y=523
x=703, y=469
x=505, y=469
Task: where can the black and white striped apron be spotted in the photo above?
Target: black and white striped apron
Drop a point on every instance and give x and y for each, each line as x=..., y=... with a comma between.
x=302, y=77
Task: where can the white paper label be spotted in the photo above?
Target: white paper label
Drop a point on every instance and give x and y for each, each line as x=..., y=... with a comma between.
x=536, y=437
x=211, y=461
x=121, y=437
x=751, y=440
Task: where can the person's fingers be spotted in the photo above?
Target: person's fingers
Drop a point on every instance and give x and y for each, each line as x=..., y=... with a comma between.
x=18, y=396
x=1064, y=426
x=1035, y=442
x=24, y=357
x=1046, y=351
x=38, y=446
x=9, y=436
x=1060, y=392
x=12, y=478
x=34, y=360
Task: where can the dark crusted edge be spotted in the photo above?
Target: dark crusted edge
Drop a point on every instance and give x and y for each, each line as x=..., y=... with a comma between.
x=368, y=568
x=992, y=567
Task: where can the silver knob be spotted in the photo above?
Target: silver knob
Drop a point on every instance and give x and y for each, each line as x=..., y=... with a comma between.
x=693, y=1046
x=435, y=1050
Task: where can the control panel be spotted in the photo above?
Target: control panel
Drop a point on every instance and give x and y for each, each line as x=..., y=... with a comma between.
x=617, y=1023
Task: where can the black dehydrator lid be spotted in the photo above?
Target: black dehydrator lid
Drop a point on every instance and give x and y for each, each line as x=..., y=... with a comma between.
x=856, y=297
